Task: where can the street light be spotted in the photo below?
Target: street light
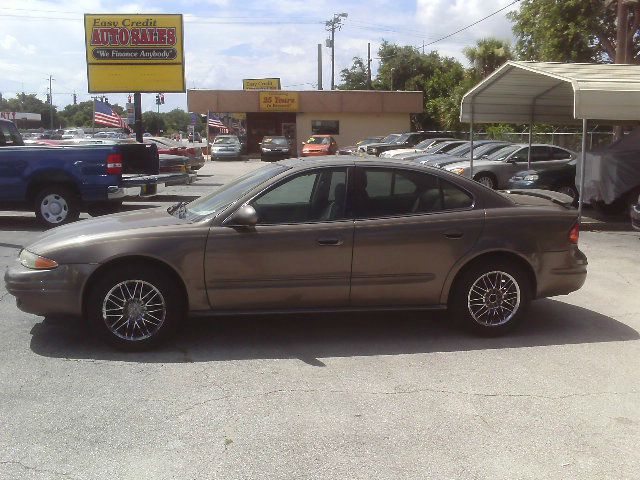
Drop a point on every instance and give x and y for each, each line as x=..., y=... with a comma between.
x=331, y=25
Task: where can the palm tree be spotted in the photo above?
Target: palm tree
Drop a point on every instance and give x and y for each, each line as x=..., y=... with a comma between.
x=487, y=55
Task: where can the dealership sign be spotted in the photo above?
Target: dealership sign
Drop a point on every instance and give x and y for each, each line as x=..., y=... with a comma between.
x=134, y=53
x=279, y=101
x=13, y=116
x=261, y=84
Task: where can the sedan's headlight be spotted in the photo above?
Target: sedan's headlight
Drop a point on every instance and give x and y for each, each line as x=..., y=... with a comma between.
x=36, y=262
x=458, y=171
x=530, y=178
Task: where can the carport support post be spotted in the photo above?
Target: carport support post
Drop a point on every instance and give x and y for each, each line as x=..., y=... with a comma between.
x=530, y=143
x=207, y=127
x=471, y=141
x=582, y=168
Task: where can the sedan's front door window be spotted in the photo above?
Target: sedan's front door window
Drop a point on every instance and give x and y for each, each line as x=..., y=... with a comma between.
x=312, y=197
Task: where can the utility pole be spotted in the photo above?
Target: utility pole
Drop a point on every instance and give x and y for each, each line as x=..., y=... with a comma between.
x=331, y=26
x=50, y=103
x=368, y=66
x=319, y=66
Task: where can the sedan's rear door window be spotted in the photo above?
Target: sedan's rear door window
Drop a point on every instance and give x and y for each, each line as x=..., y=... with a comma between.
x=394, y=192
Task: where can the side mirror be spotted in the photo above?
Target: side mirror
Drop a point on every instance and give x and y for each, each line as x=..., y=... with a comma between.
x=245, y=216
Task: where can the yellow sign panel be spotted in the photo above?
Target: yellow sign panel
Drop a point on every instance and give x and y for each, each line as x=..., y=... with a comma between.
x=134, y=53
x=261, y=84
x=279, y=101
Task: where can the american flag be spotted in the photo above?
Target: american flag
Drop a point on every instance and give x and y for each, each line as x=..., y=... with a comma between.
x=105, y=115
x=215, y=122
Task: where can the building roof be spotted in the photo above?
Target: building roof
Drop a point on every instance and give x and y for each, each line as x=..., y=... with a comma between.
x=316, y=101
x=560, y=93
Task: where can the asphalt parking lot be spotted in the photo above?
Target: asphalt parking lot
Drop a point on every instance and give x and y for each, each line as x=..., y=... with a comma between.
x=358, y=396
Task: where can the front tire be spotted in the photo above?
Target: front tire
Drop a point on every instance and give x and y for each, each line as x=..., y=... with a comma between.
x=56, y=205
x=486, y=180
x=490, y=298
x=134, y=308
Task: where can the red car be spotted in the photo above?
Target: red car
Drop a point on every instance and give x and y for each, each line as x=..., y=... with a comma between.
x=319, y=145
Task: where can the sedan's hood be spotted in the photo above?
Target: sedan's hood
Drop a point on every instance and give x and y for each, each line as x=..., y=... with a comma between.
x=400, y=151
x=438, y=158
x=110, y=226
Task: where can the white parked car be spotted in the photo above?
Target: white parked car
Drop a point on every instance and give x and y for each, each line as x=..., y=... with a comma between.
x=73, y=133
x=423, y=146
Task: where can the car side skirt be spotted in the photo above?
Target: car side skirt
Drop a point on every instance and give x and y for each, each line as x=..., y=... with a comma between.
x=220, y=313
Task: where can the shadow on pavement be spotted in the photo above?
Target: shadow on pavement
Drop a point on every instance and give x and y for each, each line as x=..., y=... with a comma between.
x=25, y=223
x=313, y=336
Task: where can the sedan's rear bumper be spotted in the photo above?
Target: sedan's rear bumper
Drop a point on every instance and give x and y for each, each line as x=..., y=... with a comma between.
x=48, y=292
x=319, y=153
x=561, y=273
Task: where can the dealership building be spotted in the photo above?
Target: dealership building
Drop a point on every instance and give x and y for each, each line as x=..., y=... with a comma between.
x=347, y=115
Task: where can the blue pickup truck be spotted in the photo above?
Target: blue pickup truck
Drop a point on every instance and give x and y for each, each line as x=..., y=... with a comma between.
x=57, y=183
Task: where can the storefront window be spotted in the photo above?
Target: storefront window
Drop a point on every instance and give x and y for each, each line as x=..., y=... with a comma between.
x=325, y=127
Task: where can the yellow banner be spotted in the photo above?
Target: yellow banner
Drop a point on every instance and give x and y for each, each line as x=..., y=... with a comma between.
x=261, y=84
x=279, y=101
x=134, y=53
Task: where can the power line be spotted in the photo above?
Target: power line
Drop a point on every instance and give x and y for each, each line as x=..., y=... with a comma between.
x=457, y=31
x=472, y=24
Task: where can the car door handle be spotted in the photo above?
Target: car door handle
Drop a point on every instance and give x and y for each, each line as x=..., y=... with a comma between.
x=453, y=234
x=330, y=241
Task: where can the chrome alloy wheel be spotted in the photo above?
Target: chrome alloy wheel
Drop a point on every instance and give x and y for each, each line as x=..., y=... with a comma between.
x=134, y=310
x=493, y=299
x=54, y=208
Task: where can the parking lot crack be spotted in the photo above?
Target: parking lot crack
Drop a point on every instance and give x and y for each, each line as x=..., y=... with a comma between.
x=404, y=392
x=37, y=470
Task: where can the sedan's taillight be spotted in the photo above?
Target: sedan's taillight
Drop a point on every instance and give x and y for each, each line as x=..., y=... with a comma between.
x=574, y=233
x=114, y=164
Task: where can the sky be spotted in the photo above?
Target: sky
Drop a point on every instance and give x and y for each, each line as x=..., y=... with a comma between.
x=228, y=40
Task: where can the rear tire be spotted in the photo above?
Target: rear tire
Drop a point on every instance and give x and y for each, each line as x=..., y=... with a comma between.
x=135, y=308
x=569, y=190
x=56, y=205
x=491, y=297
x=486, y=180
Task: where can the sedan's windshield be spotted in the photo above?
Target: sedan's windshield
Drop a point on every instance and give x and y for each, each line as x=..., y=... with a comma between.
x=503, y=153
x=390, y=138
x=217, y=201
x=319, y=141
x=280, y=141
x=402, y=138
x=460, y=149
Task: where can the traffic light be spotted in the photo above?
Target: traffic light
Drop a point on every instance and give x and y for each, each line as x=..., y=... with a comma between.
x=158, y=99
x=162, y=98
x=48, y=98
x=129, y=98
x=75, y=99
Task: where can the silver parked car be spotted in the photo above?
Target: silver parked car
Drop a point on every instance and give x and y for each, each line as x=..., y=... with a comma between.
x=495, y=170
x=332, y=233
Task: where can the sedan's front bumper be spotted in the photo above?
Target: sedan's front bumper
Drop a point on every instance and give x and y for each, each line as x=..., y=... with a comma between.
x=49, y=292
x=225, y=154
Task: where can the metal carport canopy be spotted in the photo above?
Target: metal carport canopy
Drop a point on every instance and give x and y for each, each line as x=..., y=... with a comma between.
x=557, y=93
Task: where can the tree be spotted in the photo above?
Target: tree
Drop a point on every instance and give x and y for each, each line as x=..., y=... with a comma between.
x=572, y=31
x=487, y=55
x=354, y=77
x=153, y=122
x=30, y=103
x=176, y=120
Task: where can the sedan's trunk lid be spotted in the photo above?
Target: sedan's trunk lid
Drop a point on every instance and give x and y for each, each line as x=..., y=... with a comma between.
x=535, y=197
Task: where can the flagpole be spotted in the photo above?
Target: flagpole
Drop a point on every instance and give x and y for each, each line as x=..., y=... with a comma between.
x=208, y=145
x=93, y=118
